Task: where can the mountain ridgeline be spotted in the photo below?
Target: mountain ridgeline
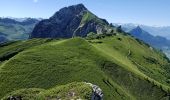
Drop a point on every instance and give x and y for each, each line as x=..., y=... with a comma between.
x=75, y=48
x=71, y=21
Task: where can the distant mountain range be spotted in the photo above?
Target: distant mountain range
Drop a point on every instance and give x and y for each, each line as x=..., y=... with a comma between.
x=16, y=28
x=155, y=41
x=163, y=31
x=141, y=32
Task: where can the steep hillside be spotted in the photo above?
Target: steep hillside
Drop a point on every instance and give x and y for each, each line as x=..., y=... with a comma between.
x=122, y=72
x=71, y=21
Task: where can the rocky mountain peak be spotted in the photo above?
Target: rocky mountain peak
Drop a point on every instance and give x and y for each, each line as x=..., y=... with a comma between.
x=70, y=11
x=138, y=30
x=138, y=27
x=78, y=8
x=68, y=22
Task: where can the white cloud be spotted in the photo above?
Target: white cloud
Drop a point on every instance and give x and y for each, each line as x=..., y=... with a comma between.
x=35, y=1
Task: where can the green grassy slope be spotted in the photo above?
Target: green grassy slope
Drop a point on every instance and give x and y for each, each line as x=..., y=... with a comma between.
x=56, y=63
x=111, y=64
x=132, y=54
x=10, y=49
x=139, y=57
x=66, y=92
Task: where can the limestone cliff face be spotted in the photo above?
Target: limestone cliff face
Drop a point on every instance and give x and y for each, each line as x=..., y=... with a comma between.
x=70, y=21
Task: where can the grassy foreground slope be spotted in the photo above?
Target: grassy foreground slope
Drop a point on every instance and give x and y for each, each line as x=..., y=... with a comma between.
x=111, y=63
x=71, y=91
x=54, y=64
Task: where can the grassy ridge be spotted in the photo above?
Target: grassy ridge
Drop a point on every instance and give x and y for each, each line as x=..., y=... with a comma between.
x=106, y=63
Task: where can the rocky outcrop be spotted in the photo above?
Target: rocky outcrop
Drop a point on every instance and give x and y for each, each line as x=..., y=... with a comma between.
x=14, y=98
x=68, y=22
x=97, y=92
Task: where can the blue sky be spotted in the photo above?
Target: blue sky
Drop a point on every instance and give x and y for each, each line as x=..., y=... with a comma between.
x=148, y=12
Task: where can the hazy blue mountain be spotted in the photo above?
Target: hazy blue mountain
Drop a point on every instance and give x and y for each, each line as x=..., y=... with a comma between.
x=155, y=41
x=161, y=31
x=3, y=37
x=158, y=42
x=154, y=30
x=16, y=29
